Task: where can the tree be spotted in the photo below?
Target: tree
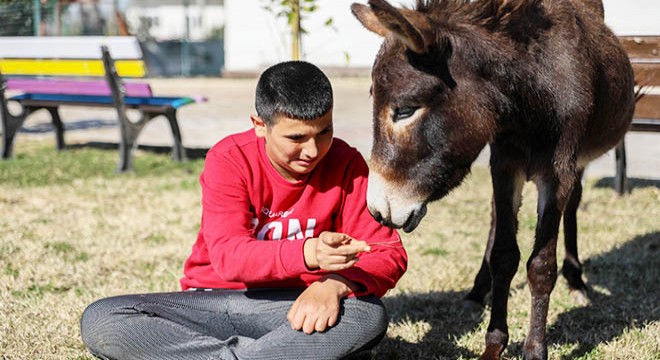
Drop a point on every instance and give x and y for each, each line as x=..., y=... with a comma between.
x=294, y=11
x=16, y=17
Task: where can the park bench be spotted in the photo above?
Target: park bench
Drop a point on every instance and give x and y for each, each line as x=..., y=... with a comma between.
x=644, y=54
x=49, y=72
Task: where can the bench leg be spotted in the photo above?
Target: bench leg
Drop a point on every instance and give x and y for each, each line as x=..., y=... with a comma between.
x=10, y=126
x=59, y=127
x=9, y=129
x=620, y=179
x=178, y=151
x=129, y=132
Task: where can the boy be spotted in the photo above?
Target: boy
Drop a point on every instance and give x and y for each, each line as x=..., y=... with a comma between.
x=288, y=263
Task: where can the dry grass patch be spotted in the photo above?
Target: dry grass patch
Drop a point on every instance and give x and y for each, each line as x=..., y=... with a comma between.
x=73, y=232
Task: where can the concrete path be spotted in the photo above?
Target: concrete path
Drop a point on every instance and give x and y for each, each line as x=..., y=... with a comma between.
x=232, y=100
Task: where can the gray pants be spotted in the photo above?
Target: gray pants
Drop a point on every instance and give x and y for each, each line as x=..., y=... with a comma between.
x=224, y=324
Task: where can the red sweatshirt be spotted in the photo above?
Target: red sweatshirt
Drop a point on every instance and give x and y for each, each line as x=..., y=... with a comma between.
x=254, y=222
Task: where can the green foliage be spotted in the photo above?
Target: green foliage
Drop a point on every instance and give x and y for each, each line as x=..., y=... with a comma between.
x=294, y=11
x=287, y=9
x=217, y=33
x=16, y=18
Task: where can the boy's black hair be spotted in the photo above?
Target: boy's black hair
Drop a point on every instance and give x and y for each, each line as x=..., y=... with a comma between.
x=295, y=89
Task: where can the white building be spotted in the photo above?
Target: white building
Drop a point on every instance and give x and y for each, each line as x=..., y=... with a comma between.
x=255, y=39
x=167, y=19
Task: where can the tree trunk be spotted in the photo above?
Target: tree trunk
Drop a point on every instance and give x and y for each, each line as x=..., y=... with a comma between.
x=295, y=29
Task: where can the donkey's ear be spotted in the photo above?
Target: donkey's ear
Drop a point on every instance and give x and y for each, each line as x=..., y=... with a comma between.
x=368, y=19
x=397, y=24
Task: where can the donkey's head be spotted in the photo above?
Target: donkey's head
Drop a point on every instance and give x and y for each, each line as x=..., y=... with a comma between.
x=433, y=111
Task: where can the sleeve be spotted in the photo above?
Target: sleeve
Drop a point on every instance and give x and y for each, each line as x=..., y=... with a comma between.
x=234, y=252
x=378, y=270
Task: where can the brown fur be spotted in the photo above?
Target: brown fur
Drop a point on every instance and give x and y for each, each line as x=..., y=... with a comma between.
x=543, y=82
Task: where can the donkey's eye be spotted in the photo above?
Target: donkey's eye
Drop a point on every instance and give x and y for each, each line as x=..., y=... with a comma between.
x=404, y=112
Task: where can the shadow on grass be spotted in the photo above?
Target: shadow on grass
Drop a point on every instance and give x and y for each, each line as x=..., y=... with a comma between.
x=632, y=183
x=69, y=126
x=191, y=153
x=626, y=295
x=447, y=321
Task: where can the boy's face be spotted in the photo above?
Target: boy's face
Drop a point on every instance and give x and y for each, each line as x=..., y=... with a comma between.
x=295, y=147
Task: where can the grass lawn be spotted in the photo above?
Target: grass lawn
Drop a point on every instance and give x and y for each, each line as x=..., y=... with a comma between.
x=73, y=231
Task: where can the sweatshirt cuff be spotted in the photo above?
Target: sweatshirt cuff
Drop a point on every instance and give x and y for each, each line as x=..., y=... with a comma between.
x=367, y=285
x=292, y=257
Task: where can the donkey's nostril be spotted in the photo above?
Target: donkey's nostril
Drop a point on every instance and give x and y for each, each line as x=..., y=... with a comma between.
x=378, y=216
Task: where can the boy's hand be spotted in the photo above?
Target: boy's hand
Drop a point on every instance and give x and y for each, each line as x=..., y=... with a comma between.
x=333, y=251
x=317, y=308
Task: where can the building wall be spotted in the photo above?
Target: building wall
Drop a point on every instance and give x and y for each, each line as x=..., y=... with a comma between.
x=254, y=39
x=633, y=17
x=168, y=22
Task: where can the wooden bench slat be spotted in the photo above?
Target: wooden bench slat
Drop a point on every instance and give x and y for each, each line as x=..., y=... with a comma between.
x=50, y=67
x=645, y=125
x=644, y=54
x=69, y=47
x=648, y=107
x=642, y=47
x=72, y=87
x=647, y=74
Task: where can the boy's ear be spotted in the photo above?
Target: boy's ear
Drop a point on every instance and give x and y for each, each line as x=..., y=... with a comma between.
x=259, y=125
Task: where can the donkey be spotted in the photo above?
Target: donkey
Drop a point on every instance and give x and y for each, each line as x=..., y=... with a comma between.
x=543, y=82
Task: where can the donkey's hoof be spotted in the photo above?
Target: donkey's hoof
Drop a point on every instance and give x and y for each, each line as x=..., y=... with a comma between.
x=580, y=297
x=536, y=351
x=492, y=352
x=496, y=341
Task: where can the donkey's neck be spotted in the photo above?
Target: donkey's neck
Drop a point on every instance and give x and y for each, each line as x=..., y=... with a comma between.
x=496, y=40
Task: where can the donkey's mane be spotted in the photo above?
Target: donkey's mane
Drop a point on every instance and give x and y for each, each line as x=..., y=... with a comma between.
x=494, y=15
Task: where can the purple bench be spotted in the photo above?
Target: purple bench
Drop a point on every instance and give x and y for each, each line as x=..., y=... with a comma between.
x=75, y=87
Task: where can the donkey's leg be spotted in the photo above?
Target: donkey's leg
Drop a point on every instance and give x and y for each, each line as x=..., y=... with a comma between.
x=572, y=268
x=483, y=281
x=476, y=299
x=542, y=264
x=502, y=253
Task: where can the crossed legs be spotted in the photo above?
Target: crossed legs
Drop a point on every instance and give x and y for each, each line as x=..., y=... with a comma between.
x=224, y=324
